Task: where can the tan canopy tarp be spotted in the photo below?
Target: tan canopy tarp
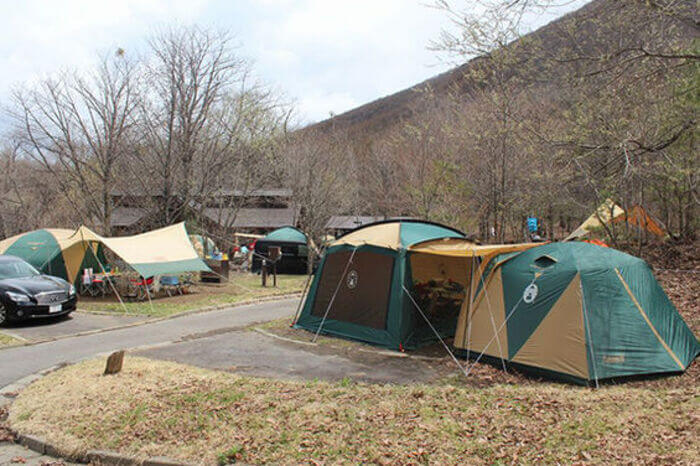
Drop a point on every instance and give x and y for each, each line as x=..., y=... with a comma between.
x=166, y=250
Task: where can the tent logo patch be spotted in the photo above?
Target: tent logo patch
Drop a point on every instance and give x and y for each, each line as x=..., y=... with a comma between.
x=530, y=293
x=351, y=281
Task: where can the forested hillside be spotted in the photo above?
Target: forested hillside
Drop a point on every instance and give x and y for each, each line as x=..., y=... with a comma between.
x=601, y=103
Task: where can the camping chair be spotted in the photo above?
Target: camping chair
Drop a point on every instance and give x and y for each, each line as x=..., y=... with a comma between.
x=171, y=284
x=140, y=289
x=92, y=285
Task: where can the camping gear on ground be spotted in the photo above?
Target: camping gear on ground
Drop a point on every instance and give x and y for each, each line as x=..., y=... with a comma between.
x=140, y=289
x=610, y=213
x=171, y=285
x=574, y=311
x=294, y=245
x=219, y=270
x=357, y=291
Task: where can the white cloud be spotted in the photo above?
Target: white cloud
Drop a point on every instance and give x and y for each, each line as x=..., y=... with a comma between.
x=329, y=55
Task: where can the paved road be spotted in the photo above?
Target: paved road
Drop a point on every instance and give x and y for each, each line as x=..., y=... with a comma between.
x=77, y=322
x=248, y=352
x=22, y=361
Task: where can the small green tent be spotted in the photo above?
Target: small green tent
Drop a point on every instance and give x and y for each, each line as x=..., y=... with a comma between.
x=575, y=311
x=294, y=247
x=358, y=289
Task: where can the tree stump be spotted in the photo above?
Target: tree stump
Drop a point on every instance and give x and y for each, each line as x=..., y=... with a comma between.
x=114, y=363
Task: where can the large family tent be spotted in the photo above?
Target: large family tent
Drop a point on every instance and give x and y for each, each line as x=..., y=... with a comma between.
x=65, y=253
x=53, y=251
x=358, y=289
x=294, y=247
x=577, y=312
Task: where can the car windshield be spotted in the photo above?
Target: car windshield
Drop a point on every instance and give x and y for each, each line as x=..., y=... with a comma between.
x=16, y=269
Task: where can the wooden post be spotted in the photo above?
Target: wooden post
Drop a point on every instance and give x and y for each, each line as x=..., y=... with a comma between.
x=115, y=361
x=274, y=253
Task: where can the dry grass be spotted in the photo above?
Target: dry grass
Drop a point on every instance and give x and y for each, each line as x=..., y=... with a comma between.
x=241, y=287
x=7, y=340
x=160, y=408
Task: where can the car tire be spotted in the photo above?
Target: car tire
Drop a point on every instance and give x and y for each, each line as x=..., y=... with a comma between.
x=3, y=314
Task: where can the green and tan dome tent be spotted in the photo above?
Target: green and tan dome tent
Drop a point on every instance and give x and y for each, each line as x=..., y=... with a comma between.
x=574, y=311
x=53, y=251
x=358, y=289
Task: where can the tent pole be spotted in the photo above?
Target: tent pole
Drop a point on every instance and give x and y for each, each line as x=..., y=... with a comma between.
x=302, y=298
x=588, y=331
x=467, y=334
x=335, y=293
x=447, y=348
x=148, y=293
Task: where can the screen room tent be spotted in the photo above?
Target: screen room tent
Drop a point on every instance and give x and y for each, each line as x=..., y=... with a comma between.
x=65, y=253
x=360, y=288
x=577, y=312
x=294, y=246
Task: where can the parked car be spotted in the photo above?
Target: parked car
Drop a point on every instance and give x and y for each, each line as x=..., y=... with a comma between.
x=27, y=294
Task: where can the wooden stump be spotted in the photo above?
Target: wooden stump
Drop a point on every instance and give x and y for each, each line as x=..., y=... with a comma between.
x=114, y=363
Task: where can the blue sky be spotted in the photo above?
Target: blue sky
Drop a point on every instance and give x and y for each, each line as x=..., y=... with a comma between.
x=326, y=55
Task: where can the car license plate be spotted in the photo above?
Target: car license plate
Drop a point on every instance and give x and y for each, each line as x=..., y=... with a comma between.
x=55, y=308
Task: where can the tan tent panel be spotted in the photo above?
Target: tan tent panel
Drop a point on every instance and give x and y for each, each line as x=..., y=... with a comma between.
x=607, y=212
x=457, y=247
x=387, y=235
x=426, y=267
x=484, y=331
x=559, y=342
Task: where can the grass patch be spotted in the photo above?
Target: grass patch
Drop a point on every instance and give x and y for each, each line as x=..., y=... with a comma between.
x=7, y=340
x=241, y=287
x=206, y=417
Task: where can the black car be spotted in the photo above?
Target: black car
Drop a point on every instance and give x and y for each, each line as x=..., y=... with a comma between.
x=27, y=294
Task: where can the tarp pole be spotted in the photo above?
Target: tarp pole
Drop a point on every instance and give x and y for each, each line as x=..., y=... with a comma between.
x=447, y=348
x=148, y=293
x=335, y=293
x=104, y=272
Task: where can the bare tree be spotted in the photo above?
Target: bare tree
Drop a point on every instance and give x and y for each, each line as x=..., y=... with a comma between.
x=78, y=128
x=191, y=72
